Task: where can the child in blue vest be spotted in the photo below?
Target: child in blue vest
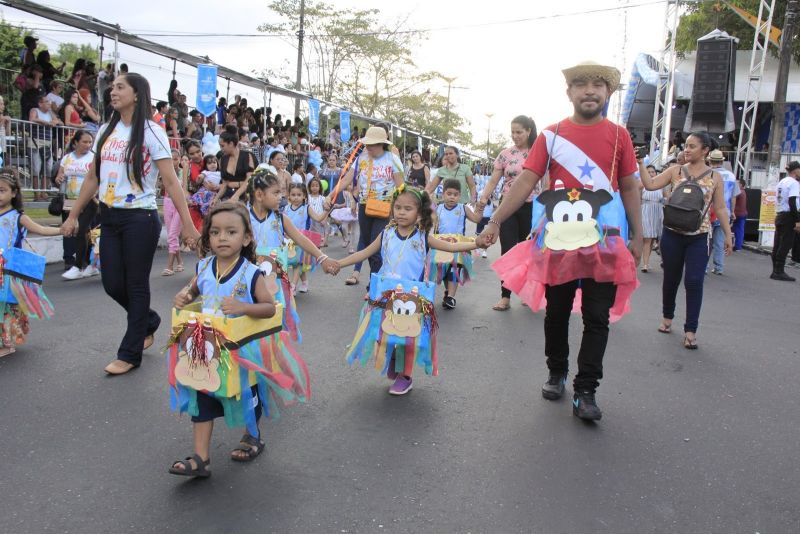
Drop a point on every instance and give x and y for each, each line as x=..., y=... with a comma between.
x=229, y=284
x=403, y=246
x=301, y=216
x=14, y=226
x=273, y=228
x=451, y=219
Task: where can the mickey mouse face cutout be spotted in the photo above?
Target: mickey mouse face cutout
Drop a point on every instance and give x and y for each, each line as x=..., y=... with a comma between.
x=571, y=216
x=403, y=316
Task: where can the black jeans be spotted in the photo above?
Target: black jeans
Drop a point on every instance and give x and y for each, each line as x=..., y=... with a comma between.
x=784, y=240
x=81, y=240
x=128, y=241
x=597, y=299
x=369, y=229
x=514, y=230
x=68, y=244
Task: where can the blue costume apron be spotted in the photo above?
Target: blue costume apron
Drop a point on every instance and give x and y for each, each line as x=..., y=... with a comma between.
x=398, y=322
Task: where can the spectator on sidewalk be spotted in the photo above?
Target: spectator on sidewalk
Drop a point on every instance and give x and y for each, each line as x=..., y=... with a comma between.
x=172, y=93
x=787, y=221
x=42, y=145
x=160, y=116
x=54, y=96
x=49, y=72
x=740, y=214
x=730, y=191
x=27, y=56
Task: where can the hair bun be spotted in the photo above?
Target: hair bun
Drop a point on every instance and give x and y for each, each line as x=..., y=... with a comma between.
x=231, y=129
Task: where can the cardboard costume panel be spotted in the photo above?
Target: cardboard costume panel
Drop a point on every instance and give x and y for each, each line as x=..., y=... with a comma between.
x=397, y=326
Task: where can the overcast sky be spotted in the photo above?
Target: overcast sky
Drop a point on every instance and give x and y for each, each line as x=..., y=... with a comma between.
x=508, y=64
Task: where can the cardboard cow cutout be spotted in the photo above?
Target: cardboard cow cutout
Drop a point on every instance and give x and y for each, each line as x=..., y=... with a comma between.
x=572, y=216
x=403, y=314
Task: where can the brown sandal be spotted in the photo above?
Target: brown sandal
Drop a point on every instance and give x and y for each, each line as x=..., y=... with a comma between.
x=184, y=467
x=351, y=281
x=246, y=445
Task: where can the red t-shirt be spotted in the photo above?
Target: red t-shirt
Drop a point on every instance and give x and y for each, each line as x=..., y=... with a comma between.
x=582, y=155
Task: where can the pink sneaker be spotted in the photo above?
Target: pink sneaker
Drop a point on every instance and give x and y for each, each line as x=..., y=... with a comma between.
x=401, y=386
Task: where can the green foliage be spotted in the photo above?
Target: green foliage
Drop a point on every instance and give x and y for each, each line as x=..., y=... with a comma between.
x=704, y=17
x=11, y=38
x=355, y=60
x=69, y=52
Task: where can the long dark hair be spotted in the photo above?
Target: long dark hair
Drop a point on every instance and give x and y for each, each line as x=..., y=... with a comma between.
x=10, y=178
x=527, y=124
x=62, y=110
x=73, y=143
x=141, y=115
x=248, y=251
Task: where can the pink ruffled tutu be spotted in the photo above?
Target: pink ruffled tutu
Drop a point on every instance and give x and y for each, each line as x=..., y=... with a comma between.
x=526, y=269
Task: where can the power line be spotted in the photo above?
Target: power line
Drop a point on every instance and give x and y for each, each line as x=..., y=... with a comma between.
x=150, y=33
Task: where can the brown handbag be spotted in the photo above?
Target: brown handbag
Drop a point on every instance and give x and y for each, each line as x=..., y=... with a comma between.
x=374, y=207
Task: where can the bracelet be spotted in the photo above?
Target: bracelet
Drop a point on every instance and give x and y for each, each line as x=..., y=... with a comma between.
x=322, y=258
x=494, y=222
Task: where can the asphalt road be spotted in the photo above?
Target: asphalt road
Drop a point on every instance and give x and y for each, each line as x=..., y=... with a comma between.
x=702, y=441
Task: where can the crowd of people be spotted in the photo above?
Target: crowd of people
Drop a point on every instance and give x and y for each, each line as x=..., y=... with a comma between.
x=574, y=206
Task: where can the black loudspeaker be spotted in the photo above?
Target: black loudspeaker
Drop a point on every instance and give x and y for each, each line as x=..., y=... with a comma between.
x=712, y=76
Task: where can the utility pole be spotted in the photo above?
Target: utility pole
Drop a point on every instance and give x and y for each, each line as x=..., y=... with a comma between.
x=779, y=102
x=488, y=134
x=299, y=79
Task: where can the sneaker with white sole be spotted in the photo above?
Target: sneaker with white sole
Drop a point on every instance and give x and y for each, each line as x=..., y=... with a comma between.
x=72, y=274
x=484, y=254
x=90, y=271
x=302, y=287
x=401, y=386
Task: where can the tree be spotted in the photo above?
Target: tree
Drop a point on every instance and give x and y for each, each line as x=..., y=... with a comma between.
x=354, y=60
x=70, y=52
x=704, y=17
x=11, y=42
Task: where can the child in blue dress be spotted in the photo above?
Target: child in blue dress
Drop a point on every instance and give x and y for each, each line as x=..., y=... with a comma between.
x=14, y=226
x=451, y=223
x=298, y=212
x=229, y=284
x=404, y=246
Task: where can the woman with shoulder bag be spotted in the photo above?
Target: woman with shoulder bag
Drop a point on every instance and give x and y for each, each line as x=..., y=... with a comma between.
x=378, y=172
x=685, y=237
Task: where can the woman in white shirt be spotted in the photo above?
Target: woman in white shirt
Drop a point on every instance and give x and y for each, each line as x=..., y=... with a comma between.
x=130, y=153
x=43, y=120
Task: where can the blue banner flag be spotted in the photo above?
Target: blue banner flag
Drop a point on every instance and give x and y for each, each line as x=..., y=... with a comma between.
x=344, y=124
x=206, y=89
x=313, y=117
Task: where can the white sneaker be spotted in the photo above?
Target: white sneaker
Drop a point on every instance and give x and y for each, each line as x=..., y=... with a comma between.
x=72, y=274
x=302, y=287
x=90, y=271
x=484, y=254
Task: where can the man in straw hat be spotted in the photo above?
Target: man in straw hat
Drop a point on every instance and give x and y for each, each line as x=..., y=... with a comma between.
x=583, y=155
x=731, y=190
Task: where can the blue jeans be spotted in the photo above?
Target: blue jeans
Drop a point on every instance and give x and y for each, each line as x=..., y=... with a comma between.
x=738, y=232
x=369, y=230
x=690, y=253
x=128, y=242
x=718, y=247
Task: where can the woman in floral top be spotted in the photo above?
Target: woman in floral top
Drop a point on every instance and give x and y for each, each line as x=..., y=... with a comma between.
x=508, y=164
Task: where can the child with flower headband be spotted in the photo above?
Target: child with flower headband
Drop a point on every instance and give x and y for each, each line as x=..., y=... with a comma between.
x=18, y=301
x=398, y=322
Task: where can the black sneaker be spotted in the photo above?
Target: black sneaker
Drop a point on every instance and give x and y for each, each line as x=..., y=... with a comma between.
x=782, y=276
x=553, y=389
x=585, y=407
x=449, y=302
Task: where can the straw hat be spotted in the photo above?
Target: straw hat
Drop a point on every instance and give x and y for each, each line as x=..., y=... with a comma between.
x=375, y=136
x=716, y=155
x=589, y=70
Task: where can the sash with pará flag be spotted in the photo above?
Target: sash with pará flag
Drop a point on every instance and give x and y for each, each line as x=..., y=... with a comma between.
x=344, y=124
x=313, y=117
x=206, y=89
